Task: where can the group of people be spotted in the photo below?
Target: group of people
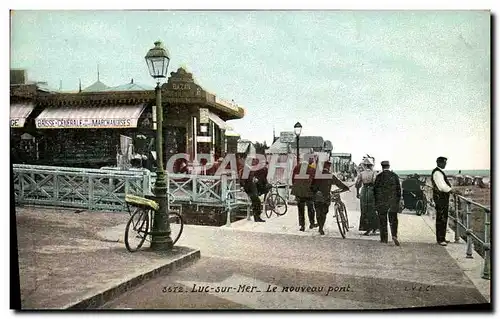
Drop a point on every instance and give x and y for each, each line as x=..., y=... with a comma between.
x=314, y=192
x=380, y=196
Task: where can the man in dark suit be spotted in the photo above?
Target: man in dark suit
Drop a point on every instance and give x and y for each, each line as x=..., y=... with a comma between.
x=321, y=187
x=441, y=189
x=250, y=185
x=301, y=189
x=387, y=191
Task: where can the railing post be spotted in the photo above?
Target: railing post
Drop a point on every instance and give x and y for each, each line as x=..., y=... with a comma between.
x=486, y=269
x=469, y=231
x=126, y=184
x=21, y=186
x=167, y=181
x=194, y=182
x=225, y=198
x=146, y=186
x=224, y=187
x=56, y=187
x=91, y=190
x=457, y=223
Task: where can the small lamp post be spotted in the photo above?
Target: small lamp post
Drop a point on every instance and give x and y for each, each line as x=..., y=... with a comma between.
x=297, y=129
x=157, y=60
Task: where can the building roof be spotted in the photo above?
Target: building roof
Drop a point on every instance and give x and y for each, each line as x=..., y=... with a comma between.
x=43, y=86
x=278, y=147
x=131, y=86
x=243, y=146
x=97, y=86
x=341, y=155
x=231, y=133
x=309, y=142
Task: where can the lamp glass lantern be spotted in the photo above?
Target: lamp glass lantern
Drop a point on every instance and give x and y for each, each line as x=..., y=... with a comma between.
x=297, y=128
x=157, y=60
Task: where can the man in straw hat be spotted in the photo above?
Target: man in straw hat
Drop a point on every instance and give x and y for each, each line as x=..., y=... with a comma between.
x=387, y=193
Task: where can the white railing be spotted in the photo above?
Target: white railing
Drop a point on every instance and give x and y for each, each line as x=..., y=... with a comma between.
x=207, y=190
x=105, y=189
x=91, y=189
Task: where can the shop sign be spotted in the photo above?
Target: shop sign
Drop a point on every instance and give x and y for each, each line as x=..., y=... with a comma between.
x=204, y=115
x=85, y=123
x=287, y=137
x=16, y=122
x=183, y=90
x=203, y=139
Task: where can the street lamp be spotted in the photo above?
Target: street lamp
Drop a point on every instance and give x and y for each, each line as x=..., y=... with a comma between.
x=157, y=60
x=297, y=128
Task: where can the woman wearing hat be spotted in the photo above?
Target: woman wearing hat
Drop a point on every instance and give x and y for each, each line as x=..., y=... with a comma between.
x=369, y=220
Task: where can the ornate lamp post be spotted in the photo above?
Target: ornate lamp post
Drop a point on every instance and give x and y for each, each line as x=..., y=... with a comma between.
x=157, y=60
x=297, y=128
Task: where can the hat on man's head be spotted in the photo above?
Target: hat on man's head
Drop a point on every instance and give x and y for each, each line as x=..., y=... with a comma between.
x=441, y=159
x=384, y=163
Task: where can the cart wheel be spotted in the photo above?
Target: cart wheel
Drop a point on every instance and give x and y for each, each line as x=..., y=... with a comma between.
x=419, y=207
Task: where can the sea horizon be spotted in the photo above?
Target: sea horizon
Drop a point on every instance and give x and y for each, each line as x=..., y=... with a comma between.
x=451, y=172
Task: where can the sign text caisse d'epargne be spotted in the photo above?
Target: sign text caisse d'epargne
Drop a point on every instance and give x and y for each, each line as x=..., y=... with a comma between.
x=82, y=123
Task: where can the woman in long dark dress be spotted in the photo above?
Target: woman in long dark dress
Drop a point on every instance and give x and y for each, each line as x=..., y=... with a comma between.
x=369, y=220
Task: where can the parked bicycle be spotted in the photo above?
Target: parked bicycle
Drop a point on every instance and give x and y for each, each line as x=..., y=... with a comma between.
x=340, y=212
x=138, y=229
x=274, y=202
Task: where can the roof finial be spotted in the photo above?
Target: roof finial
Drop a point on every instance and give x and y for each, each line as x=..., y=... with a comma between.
x=97, y=72
x=80, y=87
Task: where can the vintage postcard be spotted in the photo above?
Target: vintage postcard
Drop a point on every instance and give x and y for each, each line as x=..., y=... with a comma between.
x=250, y=159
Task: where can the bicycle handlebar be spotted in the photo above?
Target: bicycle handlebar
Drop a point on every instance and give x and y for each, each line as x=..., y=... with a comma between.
x=339, y=191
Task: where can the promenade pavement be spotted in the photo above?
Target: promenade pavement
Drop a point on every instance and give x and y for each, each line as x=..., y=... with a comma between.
x=276, y=258
x=63, y=263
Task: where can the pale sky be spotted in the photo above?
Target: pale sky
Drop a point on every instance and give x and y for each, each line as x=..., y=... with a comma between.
x=403, y=86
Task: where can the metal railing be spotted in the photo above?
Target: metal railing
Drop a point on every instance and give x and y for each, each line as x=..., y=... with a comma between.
x=92, y=189
x=463, y=224
x=209, y=190
x=105, y=189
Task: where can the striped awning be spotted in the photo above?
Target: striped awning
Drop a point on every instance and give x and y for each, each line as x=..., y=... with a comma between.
x=19, y=112
x=217, y=120
x=117, y=116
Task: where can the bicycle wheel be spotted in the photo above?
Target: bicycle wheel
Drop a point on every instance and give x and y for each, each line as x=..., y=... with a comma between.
x=136, y=230
x=338, y=217
x=346, y=217
x=279, y=206
x=176, y=226
x=424, y=200
x=268, y=205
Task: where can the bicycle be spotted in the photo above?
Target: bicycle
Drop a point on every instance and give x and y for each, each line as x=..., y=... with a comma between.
x=274, y=202
x=138, y=230
x=340, y=212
